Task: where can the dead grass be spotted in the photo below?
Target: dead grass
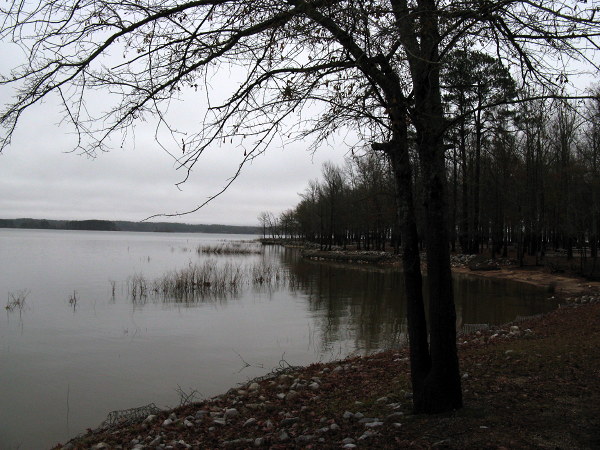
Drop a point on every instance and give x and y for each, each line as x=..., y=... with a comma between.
x=208, y=279
x=231, y=248
x=16, y=300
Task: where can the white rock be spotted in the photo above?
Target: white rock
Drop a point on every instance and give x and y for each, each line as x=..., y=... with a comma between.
x=167, y=422
x=101, y=446
x=292, y=395
x=373, y=424
x=250, y=421
x=366, y=435
x=155, y=442
x=254, y=387
x=231, y=413
x=283, y=436
x=368, y=420
x=151, y=418
x=200, y=414
x=395, y=415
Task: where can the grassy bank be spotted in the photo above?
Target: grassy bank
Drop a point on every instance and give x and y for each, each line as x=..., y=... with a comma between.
x=535, y=386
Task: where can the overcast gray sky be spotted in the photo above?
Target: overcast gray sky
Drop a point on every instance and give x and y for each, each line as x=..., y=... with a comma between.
x=39, y=179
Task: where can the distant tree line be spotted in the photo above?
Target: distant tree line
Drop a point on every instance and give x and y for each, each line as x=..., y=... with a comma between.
x=107, y=225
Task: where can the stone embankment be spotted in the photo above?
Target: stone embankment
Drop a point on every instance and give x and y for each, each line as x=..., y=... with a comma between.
x=354, y=257
x=282, y=410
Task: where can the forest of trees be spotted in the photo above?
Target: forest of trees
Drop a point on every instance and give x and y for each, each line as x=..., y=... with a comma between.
x=522, y=176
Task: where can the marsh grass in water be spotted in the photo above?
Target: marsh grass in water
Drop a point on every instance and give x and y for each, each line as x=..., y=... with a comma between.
x=205, y=278
x=231, y=248
x=137, y=287
x=208, y=279
x=73, y=300
x=16, y=300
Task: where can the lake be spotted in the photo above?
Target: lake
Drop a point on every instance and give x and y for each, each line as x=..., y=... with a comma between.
x=85, y=342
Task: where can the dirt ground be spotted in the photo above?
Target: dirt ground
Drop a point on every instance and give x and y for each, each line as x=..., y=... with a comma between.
x=534, y=384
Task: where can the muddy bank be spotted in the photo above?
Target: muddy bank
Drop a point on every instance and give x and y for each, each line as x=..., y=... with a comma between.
x=560, y=285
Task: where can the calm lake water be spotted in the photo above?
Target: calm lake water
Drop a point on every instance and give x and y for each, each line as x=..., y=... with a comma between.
x=64, y=366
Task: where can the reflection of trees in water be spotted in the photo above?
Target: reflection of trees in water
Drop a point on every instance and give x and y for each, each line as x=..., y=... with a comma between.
x=484, y=300
x=350, y=303
x=211, y=280
x=361, y=307
x=367, y=305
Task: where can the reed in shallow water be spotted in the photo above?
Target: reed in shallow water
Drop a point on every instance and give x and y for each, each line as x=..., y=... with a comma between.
x=207, y=279
x=231, y=248
x=16, y=300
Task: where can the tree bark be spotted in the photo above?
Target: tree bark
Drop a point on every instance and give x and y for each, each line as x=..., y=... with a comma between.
x=420, y=360
x=442, y=390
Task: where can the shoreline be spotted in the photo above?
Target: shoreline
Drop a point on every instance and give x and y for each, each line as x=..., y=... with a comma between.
x=561, y=285
x=365, y=401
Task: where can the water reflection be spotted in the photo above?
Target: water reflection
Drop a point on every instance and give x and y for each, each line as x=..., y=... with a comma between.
x=110, y=351
x=368, y=303
x=361, y=306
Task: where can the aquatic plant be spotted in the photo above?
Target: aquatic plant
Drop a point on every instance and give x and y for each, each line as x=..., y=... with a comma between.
x=73, y=300
x=231, y=248
x=137, y=287
x=16, y=300
x=206, y=279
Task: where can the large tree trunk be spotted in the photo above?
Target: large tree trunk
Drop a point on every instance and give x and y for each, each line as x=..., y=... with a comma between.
x=442, y=390
x=420, y=361
x=465, y=233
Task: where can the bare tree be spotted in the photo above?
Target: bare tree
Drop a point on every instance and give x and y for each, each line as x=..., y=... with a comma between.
x=370, y=65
